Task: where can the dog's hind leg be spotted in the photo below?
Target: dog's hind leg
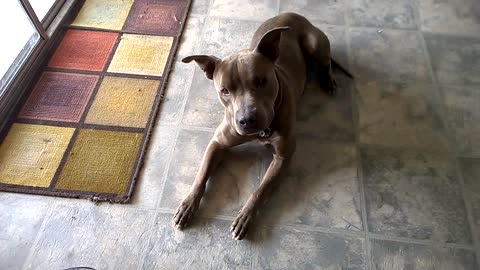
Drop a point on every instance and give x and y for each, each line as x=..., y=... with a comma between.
x=316, y=45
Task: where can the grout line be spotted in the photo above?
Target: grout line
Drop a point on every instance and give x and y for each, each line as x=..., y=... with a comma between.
x=195, y=128
x=305, y=228
x=361, y=184
x=177, y=126
x=468, y=156
x=429, y=62
x=421, y=242
x=407, y=81
x=438, y=150
x=166, y=125
x=239, y=19
x=181, y=54
x=152, y=232
x=453, y=149
x=129, y=206
x=356, y=119
x=185, y=99
x=165, y=210
x=416, y=15
x=376, y=28
x=167, y=168
x=50, y=212
x=468, y=209
x=450, y=34
x=210, y=4
x=197, y=48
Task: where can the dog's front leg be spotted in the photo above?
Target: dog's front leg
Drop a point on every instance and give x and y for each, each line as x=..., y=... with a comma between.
x=283, y=150
x=211, y=159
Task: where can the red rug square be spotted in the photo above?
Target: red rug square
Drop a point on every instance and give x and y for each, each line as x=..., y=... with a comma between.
x=160, y=17
x=87, y=50
x=59, y=97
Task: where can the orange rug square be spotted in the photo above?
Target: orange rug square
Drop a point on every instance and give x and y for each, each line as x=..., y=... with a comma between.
x=86, y=50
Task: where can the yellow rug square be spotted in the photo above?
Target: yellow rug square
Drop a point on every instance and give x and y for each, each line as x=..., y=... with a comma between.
x=101, y=161
x=123, y=102
x=107, y=14
x=30, y=154
x=141, y=54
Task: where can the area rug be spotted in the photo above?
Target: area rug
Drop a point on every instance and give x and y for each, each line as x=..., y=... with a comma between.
x=84, y=127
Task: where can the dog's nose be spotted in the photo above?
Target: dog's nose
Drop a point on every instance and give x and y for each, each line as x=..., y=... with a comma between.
x=248, y=122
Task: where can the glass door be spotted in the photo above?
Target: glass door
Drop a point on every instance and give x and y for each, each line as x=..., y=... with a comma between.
x=23, y=27
x=28, y=28
x=19, y=39
x=42, y=7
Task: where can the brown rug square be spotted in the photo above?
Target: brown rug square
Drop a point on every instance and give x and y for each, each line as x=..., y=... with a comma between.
x=59, y=96
x=160, y=17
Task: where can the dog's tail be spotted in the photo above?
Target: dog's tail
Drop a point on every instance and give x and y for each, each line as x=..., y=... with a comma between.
x=344, y=70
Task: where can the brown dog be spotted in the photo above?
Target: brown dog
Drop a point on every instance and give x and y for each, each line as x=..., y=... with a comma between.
x=259, y=88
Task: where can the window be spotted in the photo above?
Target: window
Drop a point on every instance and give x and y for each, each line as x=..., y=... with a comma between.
x=20, y=37
x=28, y=29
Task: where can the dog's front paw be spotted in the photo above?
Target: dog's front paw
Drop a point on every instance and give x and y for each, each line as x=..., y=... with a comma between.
x=240, y=225
x=185, y=211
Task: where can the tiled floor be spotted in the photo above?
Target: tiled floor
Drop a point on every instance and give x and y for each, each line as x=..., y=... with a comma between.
x=386, y=174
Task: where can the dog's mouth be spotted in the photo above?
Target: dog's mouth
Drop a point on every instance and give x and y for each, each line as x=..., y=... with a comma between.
x=249, y=132
x=262, y=133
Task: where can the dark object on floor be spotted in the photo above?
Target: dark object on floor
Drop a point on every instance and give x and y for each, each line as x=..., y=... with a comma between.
x=80, y=268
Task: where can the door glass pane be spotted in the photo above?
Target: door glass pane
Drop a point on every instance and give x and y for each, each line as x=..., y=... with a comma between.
x=18, y=39
x=41, y=7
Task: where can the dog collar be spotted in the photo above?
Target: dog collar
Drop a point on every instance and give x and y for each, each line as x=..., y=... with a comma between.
x=266, y=133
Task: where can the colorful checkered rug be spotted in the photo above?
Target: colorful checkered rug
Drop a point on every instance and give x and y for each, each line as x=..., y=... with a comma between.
x=84, y=127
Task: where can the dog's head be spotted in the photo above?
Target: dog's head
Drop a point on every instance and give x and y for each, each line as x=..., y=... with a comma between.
x=246, y=83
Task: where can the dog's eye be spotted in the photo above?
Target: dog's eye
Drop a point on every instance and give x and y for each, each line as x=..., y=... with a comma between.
x=260, y=82
x=225, y=92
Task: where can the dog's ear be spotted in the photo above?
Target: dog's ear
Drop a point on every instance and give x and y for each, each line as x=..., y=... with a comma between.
x=206, y=62
x=269, y=43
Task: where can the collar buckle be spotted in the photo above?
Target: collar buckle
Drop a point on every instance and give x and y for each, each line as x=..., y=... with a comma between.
x=266, y=133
